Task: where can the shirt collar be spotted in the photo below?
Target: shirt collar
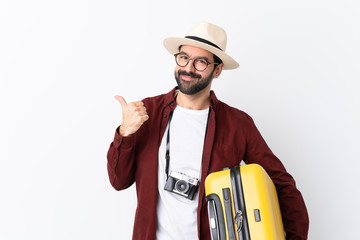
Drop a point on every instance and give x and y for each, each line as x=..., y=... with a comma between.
x=170, y=99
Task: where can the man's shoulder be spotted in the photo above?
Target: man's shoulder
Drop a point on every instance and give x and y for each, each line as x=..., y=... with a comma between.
x=160, y=100
x=156, y=99
x=232, y=112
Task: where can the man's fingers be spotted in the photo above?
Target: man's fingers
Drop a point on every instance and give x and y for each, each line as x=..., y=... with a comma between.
x=121, y=100
x=146, y=117
x=139, y=111
x=142, y=113
x=143, y=118
x=139, y=103
x=140, y=108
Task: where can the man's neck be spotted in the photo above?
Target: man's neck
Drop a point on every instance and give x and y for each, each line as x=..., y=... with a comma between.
x=199, y=101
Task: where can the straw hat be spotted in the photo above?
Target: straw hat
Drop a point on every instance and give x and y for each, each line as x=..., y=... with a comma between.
x=206, y=36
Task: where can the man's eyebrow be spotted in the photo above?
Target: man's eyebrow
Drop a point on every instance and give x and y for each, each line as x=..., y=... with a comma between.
x=182, y=52
x=202, y=57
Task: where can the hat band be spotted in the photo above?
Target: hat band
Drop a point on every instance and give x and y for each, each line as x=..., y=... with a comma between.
x=203, y=41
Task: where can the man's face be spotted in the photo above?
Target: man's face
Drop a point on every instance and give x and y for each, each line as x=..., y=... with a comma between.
x=191, y=81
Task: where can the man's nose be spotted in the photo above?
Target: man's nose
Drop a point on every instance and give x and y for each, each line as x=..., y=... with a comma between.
x=190, y=66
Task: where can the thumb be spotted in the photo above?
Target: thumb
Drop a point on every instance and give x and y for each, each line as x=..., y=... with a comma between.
x=121, y=101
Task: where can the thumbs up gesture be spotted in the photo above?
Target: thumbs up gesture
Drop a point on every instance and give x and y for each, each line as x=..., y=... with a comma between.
x=133, y=116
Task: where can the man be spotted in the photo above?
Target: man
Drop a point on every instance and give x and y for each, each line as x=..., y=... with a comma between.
x=188, y=133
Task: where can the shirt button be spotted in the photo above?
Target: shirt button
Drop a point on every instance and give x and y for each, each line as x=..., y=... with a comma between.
x=117, y=140
x=165, y=116
x=115, y=159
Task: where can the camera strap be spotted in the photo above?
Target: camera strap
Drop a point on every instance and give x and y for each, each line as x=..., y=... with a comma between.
x=167, y=154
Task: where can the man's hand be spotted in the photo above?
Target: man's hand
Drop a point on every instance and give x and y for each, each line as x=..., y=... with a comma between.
x=133, y=116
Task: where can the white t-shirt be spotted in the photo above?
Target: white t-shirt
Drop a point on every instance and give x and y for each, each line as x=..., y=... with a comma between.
x=177, y=215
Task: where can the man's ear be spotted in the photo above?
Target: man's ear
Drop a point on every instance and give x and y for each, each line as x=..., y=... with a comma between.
x=218, y=70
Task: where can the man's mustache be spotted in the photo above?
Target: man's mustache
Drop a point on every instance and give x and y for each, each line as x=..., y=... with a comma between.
x=190, y=74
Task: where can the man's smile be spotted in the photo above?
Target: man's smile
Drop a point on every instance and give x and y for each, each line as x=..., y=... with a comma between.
x=187, y=78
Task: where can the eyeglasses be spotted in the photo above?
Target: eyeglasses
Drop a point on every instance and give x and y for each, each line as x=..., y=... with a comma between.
x=199, y=63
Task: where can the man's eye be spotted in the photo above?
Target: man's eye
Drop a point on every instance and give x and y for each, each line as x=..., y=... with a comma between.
x=183, y=57
x=202, y=61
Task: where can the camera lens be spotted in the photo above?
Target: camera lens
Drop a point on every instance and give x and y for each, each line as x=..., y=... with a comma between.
x=182, y=186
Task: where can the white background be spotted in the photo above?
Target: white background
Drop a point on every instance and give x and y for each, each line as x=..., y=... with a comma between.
x=61, y=63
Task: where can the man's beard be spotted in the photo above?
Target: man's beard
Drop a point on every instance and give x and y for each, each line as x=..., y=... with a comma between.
x=194, y=86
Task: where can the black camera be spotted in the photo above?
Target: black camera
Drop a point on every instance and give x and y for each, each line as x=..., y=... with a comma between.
x=182, y=184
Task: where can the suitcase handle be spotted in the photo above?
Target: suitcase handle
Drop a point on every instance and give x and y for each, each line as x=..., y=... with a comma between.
x=239, y=204
x=228, y=213
x=216, y=217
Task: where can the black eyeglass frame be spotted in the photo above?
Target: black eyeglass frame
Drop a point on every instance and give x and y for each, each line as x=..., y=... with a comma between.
x=193, y=61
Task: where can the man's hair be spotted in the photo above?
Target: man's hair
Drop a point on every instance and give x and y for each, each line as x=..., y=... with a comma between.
x=217, y=59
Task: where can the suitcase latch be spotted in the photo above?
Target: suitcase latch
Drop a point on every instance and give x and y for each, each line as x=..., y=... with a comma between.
x=239, y=220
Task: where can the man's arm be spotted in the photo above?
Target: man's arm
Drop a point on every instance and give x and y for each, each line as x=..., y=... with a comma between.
x=120, y=156
x=120, y=163
x=293, y=209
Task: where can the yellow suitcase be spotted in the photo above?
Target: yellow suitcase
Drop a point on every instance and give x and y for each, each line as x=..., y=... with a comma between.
x=243, y=205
